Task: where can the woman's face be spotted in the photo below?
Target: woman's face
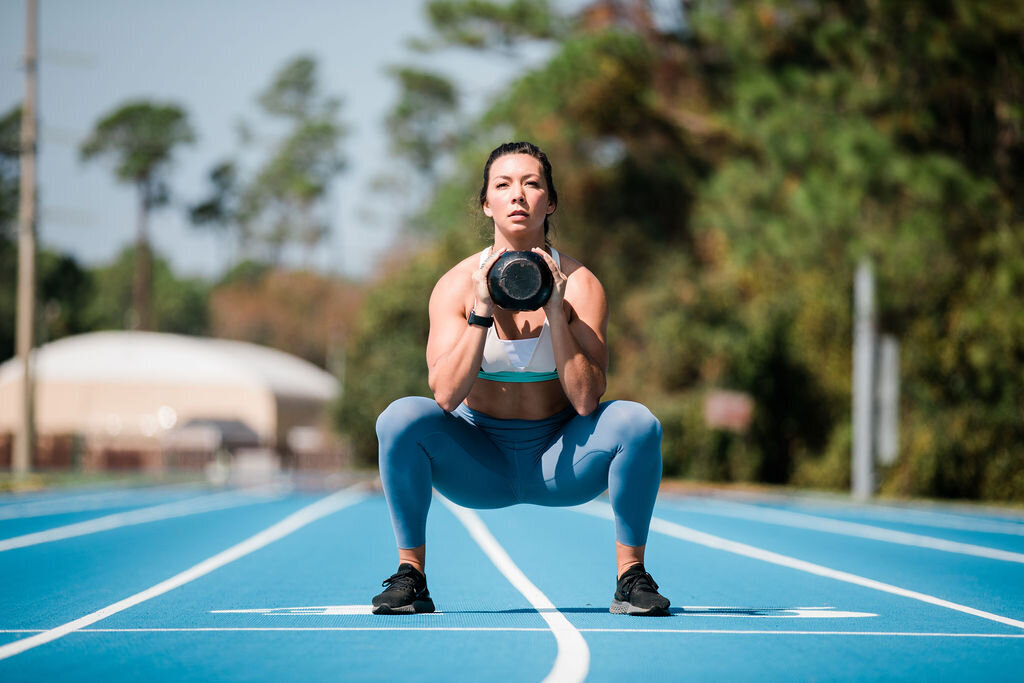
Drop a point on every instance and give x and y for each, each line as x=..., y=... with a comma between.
x=517, y=195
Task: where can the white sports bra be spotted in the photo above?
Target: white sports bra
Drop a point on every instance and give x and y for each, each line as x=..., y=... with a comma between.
x=519, y=360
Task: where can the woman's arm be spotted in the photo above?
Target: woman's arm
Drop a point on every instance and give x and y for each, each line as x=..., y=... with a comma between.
x=455, y=348
x=577, y=314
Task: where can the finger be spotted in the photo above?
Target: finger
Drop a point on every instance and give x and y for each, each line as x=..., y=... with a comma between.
x=547, y=259
x=486, y=267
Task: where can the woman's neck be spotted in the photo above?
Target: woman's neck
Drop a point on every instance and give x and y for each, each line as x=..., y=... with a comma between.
x=518, y=242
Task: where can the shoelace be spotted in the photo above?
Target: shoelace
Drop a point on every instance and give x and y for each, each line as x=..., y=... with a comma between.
x=400, y=580
x=641, y=579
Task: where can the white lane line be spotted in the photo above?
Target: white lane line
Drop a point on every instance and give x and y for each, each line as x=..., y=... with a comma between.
x=895, y=634
x=699, y=537
x=293, y=522
x=696, y=631
x=834, y=526
x=714, y=611
x=573, y=659
x=90, y=501
x=317, y=611
x=930, y=518
x=179, y=508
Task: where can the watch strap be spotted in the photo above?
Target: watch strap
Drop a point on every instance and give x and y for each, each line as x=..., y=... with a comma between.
x=481, y=320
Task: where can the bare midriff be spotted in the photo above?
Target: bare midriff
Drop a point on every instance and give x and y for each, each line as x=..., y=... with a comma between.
x=519, y=400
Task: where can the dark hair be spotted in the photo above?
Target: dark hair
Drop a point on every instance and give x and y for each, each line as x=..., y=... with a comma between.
x=529, y=149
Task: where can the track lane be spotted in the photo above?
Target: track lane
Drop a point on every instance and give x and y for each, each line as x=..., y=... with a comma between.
x=336, y=561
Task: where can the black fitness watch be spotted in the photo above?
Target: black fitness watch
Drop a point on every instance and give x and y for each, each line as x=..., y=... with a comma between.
x=482, y=321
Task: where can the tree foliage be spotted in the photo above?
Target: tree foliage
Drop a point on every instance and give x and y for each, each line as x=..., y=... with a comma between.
x=141, y=137
x=484, y=24
x=179, y=305
x=281, y=204
x=723, y=183
x=301, y=312
x=422, y=124
x=10, y=161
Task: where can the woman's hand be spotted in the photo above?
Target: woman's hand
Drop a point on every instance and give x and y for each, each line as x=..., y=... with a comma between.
x=484, y=306
x=554, y=303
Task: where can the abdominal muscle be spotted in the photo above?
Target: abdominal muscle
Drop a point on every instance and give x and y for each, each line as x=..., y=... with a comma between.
x=517, y=400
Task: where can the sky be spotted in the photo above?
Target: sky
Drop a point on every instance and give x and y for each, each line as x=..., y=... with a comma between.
x=212, y=57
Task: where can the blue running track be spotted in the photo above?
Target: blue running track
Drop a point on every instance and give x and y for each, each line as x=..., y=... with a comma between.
x=190, y=583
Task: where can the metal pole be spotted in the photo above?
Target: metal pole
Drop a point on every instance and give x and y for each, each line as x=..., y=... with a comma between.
x=887, y=434
x=863, y=484
x=24, y=448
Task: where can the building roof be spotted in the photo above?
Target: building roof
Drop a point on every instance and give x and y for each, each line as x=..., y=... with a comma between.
x=160, y=358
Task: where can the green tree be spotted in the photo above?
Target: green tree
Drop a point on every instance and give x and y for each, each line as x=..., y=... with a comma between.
x=141, y=138
x=483, y=24
x=724, y=181
x=64, y=287
x=179, y=305
x=422, y=125
x=10, y=145
x=10, y=153
x=283, y=203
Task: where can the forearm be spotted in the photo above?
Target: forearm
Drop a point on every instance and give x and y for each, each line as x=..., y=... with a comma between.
x=582, y=378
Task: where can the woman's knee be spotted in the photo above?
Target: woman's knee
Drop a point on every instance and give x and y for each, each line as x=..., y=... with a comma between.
x=634, y=421
x=403, y=414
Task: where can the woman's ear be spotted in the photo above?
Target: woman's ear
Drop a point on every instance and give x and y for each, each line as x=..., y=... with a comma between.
x=487, y=210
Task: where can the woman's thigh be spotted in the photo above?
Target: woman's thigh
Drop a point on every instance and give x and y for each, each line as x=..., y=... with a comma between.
x=464, y=464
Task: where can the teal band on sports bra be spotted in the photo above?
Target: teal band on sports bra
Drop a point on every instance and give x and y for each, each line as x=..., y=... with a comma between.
x=518, y=376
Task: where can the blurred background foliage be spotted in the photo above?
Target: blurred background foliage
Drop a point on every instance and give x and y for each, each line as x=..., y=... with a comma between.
x=722, y=167
x=722, y=172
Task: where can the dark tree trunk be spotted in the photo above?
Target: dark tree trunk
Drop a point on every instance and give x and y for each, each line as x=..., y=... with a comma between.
x=141, y=318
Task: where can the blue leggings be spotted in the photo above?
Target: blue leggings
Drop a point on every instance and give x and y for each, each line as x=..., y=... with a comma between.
x=479, y=461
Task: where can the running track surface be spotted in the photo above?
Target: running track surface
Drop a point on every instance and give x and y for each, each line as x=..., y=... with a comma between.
x=191, y=583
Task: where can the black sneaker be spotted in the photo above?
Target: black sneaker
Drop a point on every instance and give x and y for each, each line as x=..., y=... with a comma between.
x=636, y=593
x=405, y=592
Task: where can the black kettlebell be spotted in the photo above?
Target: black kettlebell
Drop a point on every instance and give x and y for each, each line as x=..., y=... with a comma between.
x=520, y=281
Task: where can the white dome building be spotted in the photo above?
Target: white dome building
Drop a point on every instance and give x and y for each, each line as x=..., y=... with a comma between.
x=134, y=391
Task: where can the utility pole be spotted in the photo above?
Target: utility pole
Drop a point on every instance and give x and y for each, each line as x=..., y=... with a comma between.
x=24, y=447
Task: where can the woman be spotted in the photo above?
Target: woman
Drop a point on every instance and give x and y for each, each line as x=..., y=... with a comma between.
x=515, y=416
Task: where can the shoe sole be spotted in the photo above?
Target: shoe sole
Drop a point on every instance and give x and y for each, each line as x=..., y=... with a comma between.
x=416, y=607
x=621, y=607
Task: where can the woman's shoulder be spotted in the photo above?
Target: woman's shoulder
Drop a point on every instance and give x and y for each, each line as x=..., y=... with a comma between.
x=571, y=267
x=581, y=280
x=460, y=275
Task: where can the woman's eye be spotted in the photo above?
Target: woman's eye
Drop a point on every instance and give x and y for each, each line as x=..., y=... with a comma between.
x=501, y=186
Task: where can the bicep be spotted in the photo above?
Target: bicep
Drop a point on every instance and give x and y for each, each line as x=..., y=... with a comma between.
x=589, y=323
x=447, y=320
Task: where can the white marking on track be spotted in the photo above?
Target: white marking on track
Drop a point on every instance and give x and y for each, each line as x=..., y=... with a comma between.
x=326, y=610
x=293, y=522
x=573, y=659
x=180, y=508
x=773, y=612
x=85, y=502
x=699, y=537
x=834, y=526
x=716, y=631
x=703, y=611
x=933, y=518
